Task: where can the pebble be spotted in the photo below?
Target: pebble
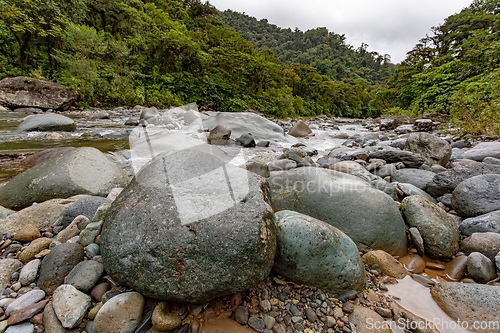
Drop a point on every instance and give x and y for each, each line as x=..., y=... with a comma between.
x=85, y=275
x=29, y=272
x=70, y=305
x=26, y=312
x=164, y=320
x=99, y=290
x=257, y=324
x=28, y=233
x=25, y=300
x=241, y=315
x=34, y=248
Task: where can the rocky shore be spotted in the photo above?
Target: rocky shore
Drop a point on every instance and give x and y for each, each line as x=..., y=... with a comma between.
x=237, y=223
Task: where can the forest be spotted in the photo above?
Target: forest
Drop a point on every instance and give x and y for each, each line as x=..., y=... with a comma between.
x=174, y=52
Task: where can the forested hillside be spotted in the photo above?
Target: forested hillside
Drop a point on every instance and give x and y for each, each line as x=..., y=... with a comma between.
x=163, y=53
x=456, y=71
x=325, y=51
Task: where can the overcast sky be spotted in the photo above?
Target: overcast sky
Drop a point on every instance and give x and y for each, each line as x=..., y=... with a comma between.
x=388, y=26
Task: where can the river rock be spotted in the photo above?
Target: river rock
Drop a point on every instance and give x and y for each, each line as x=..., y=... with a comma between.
x=34, y=248
x=4, y=212
x=281, y=165
x=28, y=233
x=47, y=123
x=313, y=252
x=346, y=167
x=247, y=122
x=446, y=182
x=164, y=320
x=29, y=272
x=85, y=275
x=50, y=321
x=21, y=328
x=394, y=155
x=438, y=229
x=487, y=243
x=25, y=300
x=21, y=91
x=41, y=216
x=174, y=251
x=416, y=177
x=482, y=150
x=457, y=267
x=57, y=264
x=299, y=156
x=78, y=171
x=219, y=135
x=365, y=214
x=121, y=313
x=410, y=189
x=434, y=150
x=86, y=206
x=70, y=305
x=489, y=222
x=300, y=130
x=480, y=268
x=7, y=267
x=469, y=302
x=26, y=313
x=366, y=320
x=413, y=263
x=386, y=262
x=477, y=195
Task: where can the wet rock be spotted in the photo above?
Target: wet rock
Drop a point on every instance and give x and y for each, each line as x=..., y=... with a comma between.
x=489, y=222
x=416, y=240
x=163, y=320
x=183, y=258
x=57, y=264
x=413, y=263
x=312, y=252
x=246, y=140
x=438, y=230
x=300, y=130
x=366, y=320
x=85, y=275
x=41, y=215
x=480, y=268
x=86, y=206
x=47, y=123
x=241, y=315
x=434, y=150
x=393, y=155
x=77, y=171
x=416, y=177
x=343, y=201
x=482, y=150
x=468, y=302
x=121, y=313
x=457, y=267
x=446, y=182
x=477, y=195
x=7, y=267
x=386, y=262
x=487, y=243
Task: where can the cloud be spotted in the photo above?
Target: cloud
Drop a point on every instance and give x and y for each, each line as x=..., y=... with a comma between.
x=387, y=26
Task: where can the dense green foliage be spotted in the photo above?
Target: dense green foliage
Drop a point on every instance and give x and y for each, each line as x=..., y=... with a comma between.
x=454, y=71
x=163, y=53
x=325, y=51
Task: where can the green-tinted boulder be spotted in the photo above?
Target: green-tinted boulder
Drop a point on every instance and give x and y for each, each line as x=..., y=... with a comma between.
x=438, y=229
x=368, y=216
x=310, y=251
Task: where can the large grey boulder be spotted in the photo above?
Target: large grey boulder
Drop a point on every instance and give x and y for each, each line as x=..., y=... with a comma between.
x=312, y=252
x=78, y=171
x=365, y=214
x=190, y=227
x=416, y=177
x=482, y=150
x=469, y=303
x=477, y=195
x=447, y=181
x=434, y=150
x=247, y=122
x=22, y=91
x=47, y=123
x=489, y=222
x=394, y=155
x=438, y=229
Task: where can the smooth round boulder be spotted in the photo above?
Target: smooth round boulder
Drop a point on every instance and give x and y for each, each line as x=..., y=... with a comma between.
x=434, y=150
x=416, y=177
x=477, y=195
x=438, y=229
x=368, y=216
x=480, y=268
x=469, y=303
x=312, y=252
x=483, y=150
x=78, y=171
x=47, y=123
x=190, y=227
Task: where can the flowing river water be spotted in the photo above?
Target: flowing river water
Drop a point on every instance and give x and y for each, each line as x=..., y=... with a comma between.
x=111, y=137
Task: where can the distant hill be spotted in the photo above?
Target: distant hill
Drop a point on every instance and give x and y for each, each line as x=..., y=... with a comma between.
x=325, y=51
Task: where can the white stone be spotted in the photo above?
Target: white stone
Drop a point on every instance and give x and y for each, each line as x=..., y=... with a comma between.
x=70, y=305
